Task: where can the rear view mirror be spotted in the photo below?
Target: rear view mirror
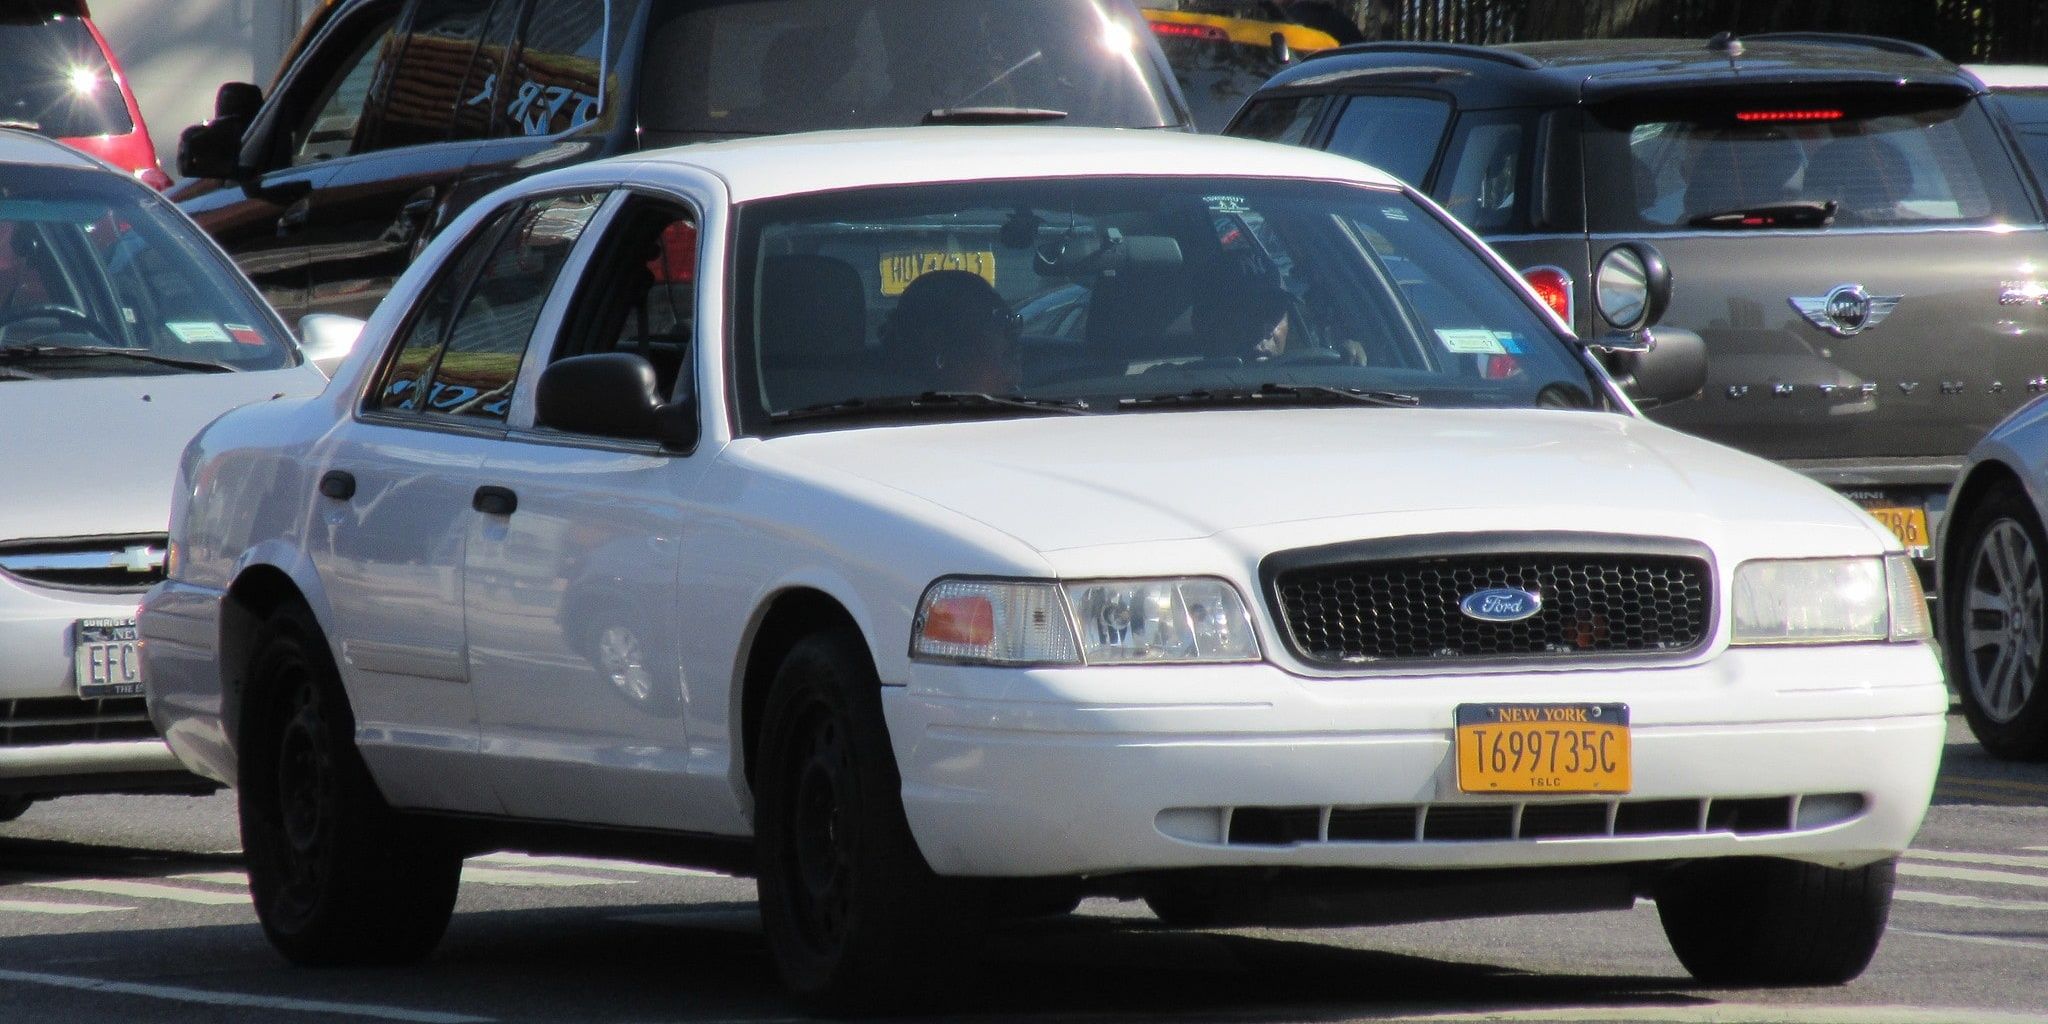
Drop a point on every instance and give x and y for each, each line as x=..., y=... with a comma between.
x=214, y=149
x=327, y=339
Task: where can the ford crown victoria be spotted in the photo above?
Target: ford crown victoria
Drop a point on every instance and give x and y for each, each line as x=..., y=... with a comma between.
x=1289, y=562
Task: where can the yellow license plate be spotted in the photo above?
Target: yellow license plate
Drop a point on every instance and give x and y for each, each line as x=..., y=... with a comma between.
x=1543, y=748
x=1907, y=523
x=901, y=268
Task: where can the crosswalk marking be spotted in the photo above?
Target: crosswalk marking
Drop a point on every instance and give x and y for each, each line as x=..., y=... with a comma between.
x=61, y=909
x=1981, y=940
x=592, y=863
x=207, y=997
x=1733, y=1013
x=215, y=877
x=2014, y=785
x=1973, y=875
x=533, y=879
x=146, y=891
x=1970, y=902
x=2003, y=860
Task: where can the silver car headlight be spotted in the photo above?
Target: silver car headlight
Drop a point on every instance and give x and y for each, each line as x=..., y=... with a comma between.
x=1828, y=601
x=1101, y=622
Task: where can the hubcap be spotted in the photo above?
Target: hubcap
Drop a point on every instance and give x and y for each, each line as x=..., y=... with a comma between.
x=823, y=833
x=2002, y=621
x=305, y=794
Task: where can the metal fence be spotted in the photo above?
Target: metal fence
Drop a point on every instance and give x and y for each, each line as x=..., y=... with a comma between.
x=1965, y=30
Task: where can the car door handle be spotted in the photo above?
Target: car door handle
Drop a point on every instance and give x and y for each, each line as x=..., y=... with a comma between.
x=338, y=484
x=495, y=501
x=420, y=205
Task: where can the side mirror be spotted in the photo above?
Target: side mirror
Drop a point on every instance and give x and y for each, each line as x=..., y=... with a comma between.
x=1282, y=52
x=1673, y=367
x=1631, y=287
x=214, y=149
x=327, y=339
x=612, y=394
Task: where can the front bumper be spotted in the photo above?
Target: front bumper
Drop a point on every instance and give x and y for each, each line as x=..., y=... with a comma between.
x=1066, y=772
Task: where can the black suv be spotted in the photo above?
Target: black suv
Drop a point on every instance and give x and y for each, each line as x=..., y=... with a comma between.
x=394, y=115
x=1843, y=216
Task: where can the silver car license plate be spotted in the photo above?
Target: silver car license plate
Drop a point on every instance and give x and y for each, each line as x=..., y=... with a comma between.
x=107, y=655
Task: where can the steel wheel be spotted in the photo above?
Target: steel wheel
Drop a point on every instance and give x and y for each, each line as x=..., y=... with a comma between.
x=2002, y=607
x=826, y=834
x=307, y=800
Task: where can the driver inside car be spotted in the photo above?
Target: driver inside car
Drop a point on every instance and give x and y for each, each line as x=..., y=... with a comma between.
x=953, y=329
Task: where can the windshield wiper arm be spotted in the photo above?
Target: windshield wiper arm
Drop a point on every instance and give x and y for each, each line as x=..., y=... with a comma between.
x=992, y=115
x=14, y=354
x=946, y=401
x=1275, y=394
x=1805, y=214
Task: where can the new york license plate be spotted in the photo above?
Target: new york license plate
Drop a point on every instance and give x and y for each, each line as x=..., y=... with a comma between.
x=107, y=657
x=1543, y=748
x=1908, y=523
x=901, y=268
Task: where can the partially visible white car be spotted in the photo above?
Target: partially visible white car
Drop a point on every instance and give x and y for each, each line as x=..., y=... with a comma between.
x=1303, y=569
x=123, y=330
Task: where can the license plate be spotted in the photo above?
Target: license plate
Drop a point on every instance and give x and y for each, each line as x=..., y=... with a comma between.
x=1543, y=748
x=108, y=659
x=1908, y=523
x=901, y=268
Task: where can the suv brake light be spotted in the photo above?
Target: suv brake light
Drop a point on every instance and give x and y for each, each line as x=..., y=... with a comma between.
x=1554, y=287
x=1755, y=116
x=1184, y=31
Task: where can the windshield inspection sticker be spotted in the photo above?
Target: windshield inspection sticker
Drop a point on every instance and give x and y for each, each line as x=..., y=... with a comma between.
x=1226, y=204
x=197, y=332
x=1471, y=342
x=244, y=334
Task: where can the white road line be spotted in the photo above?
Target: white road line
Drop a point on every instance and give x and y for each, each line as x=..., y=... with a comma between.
x=146, y=891
x=1981, y=940
x=533, y=879
x=1970, y=902
x=37, y=907
x=203, y=996
x=1974, y=875
x=2004, y=860
x=1739, y=1013
x=592, y=863
x=240, y=878
x=742, y=921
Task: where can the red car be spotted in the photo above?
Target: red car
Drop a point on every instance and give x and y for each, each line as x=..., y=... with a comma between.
x=63, y=82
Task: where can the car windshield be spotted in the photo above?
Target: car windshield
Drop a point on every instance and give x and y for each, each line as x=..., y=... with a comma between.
x=751, y=67
x=1216, y=72
x=1126, y=295
x=1797, y=162
x=91, y=262
x=58, y=82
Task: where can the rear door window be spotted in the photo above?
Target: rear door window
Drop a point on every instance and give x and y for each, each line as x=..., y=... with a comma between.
x=427, y=80
x=1484, y=177
x=335, y=116
x=1781, y=165
x=1287, y=120
x=560, y=80
x=1397, y=134
x=2028, y=112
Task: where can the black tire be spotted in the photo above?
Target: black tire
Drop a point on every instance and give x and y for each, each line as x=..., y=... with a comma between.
x=1995, y=623
x=855, y=919
x=1755, y=921
x=12, y=806
x=337, y=877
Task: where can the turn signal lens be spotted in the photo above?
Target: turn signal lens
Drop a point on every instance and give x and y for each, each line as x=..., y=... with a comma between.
x=1554, y=287
x=1911, y=622
x=994, y=622
x=967, y=619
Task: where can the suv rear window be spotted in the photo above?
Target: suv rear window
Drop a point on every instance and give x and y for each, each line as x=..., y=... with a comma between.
x=752, y=67
x=2028, y=112
x=58, y=82
x=1751, y=165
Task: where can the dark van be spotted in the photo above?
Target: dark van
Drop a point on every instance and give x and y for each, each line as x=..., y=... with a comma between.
x=393, y=115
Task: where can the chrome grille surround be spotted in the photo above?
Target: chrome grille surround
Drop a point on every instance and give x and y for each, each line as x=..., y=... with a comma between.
x=114, y=565
x=1394, y=604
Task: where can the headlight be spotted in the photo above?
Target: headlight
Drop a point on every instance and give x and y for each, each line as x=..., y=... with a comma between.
x=1104, y=622
x=1828, y=600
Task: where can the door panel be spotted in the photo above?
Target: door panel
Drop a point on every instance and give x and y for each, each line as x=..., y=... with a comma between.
x=261, y=224
x=372, y=220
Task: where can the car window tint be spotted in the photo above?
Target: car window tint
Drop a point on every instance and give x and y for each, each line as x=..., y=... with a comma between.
x=2028, y=112
x=639, y=295
x=478, y=365
x=419, y=341
x=1882, y=166
x=1285, y=120
x=560, y=79
x=58, y=82
x=1481, y=182
x=474, y=106
x=330, y=130
x=1397, y=134
x=428, y=77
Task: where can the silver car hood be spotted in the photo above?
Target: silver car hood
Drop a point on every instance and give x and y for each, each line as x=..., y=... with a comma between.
x=96, y=456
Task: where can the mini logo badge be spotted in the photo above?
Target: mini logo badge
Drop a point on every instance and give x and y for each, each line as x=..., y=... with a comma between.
x=1846, y=310
x=1502, y=604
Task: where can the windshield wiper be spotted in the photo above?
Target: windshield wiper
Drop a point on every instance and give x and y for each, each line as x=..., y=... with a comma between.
x=1274, y=394
x=992, y=115
x=15, y=354
x=943, y=401
x=1807, y=214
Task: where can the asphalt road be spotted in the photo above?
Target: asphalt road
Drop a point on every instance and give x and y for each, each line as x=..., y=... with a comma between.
x=135, y=910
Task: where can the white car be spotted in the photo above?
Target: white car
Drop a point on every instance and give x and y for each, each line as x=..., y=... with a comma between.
x=1312, y=573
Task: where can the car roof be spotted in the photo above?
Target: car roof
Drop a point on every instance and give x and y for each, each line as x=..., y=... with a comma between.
x=2010, y=76
x=20, y=147
x=784, y=165
x=1602, y=69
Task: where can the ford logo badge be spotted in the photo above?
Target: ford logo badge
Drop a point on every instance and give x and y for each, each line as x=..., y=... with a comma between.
x=1501, y=605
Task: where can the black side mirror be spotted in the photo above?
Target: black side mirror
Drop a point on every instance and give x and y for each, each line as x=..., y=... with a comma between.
x=1282, y=52
x=1672, y=368
x=613, y=394
x=214, y=149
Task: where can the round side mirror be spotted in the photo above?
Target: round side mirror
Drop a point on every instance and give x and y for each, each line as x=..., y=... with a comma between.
x=1631, y=287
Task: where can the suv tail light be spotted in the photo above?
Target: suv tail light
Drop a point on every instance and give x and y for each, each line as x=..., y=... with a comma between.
x=1181, y=30
x=1554, y=287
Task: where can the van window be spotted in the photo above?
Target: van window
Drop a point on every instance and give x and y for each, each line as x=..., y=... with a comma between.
x=1397, y=134
x=427, y=80
x=751, y=67
x=475, y=100
x=561, y=79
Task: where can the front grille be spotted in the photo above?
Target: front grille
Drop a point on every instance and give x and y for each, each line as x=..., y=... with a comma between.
x=109, y=564
x=1346, y=612
x=43, y=721
x=1534, y=821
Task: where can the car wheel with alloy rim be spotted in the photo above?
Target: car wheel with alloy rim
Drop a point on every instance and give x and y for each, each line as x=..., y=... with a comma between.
x=1997, y=621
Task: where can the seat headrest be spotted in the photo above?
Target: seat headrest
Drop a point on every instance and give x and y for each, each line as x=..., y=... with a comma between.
x=811, y=306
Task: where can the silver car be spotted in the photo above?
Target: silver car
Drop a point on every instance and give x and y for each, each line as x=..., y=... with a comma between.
x=123, y=330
